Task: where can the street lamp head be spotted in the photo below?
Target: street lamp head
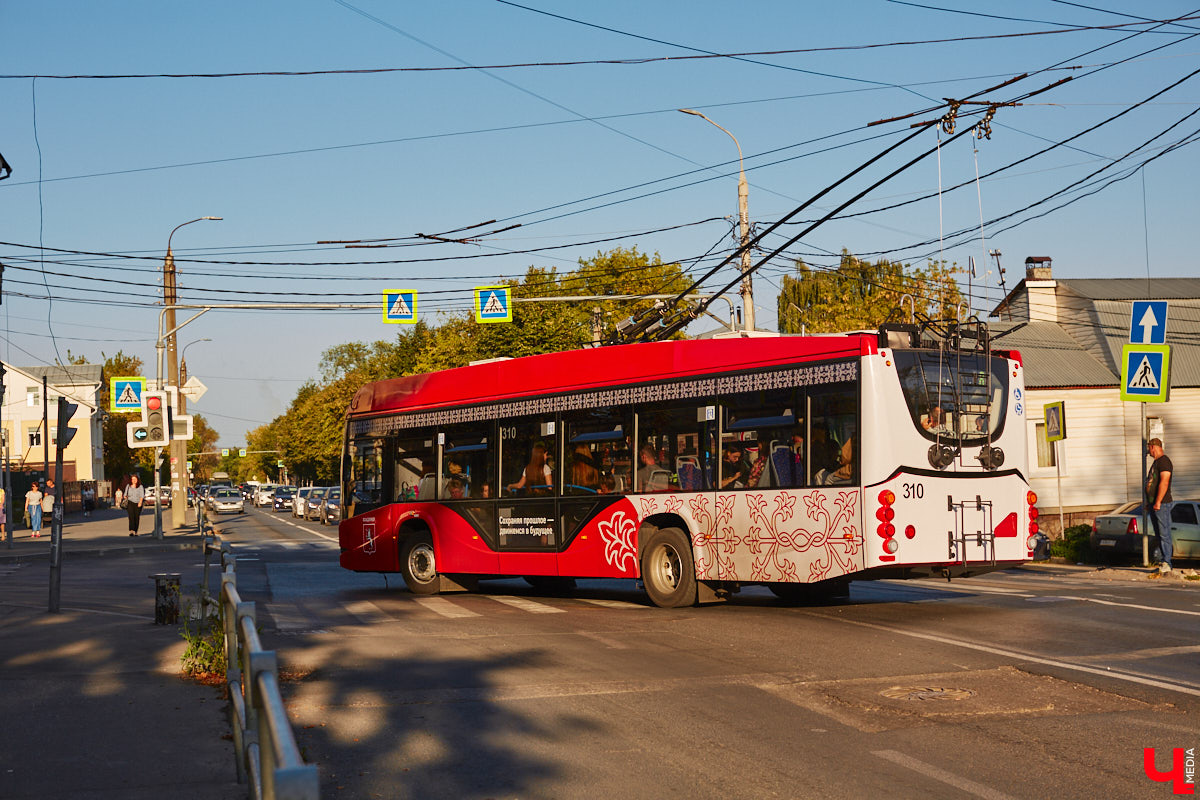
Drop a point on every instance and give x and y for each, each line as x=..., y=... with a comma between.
x=691, y=111
x=212, y=218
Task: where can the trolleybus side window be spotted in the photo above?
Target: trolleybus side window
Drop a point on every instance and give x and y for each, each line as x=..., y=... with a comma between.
x=833, y=436
x=760, y=435
x=468, y=458
x=597, y=459
x=363, y=489
x=414, y=467
x=675, y=448
x=528, y=456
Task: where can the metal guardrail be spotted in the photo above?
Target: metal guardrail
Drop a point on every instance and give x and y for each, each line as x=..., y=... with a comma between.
x=265, y=746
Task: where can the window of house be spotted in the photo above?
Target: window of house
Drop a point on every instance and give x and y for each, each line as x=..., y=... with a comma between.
x=1046, y=451
x=35, y=437
x=33, y=396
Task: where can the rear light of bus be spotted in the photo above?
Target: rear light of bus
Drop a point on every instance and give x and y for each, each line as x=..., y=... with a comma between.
x=1033, y=512
x=909, y=532
x=1031, y=497
x=885, y=514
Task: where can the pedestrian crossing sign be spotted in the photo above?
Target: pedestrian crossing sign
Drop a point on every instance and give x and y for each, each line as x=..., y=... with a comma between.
x=493, y=304
x=1145, y=373
x=400, y=307
x=125, y=395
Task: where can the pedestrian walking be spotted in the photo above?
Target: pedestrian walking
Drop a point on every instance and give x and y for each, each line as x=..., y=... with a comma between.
x=33, y=510
x=49, y=495
x=3, y=513
x=89, y=500
x=1158, y=495
x=135, y=496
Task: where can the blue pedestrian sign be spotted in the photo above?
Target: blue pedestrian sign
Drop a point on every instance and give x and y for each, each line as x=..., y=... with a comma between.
x=493, y=304
x=1148, y=322
x=400, y=307
x=1145, y=373
x=125, y=395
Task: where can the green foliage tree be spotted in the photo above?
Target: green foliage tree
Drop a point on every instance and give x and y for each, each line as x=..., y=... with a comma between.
x=859, y=294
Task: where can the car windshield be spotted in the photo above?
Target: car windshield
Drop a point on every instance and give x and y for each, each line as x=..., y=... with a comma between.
x=336, y=494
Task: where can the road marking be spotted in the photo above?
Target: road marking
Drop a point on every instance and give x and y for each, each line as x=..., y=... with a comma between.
x=367, y=612
x=1015, y=654
x=440, y=605
x=954, y=589
x=525, y=605
x=297, y=525
x=288, y=617
x=1137, y=655
x=930, y=771
x=604, y=640
x=610, y=603
x=1135, y=605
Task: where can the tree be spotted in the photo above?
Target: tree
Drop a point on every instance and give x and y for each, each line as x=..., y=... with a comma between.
x=858, y=295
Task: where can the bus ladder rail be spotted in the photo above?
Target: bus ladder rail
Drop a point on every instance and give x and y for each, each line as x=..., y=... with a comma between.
x=959, y=537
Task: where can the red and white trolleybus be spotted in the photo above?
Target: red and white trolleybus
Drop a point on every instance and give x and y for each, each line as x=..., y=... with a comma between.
x=697, y=466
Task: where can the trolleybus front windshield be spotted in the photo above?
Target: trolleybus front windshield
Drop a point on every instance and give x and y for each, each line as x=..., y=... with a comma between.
x=954, y=395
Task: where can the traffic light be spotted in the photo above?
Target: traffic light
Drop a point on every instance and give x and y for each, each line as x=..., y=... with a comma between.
x=156, y=416
x=65, y=432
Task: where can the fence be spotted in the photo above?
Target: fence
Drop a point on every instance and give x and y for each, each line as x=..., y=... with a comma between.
x=265, y=746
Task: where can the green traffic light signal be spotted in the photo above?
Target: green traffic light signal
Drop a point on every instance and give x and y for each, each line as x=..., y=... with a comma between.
x=140, y=434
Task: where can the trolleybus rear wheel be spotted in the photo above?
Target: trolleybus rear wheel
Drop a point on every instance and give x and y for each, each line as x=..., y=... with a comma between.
x=418, y=565
x=667, y=569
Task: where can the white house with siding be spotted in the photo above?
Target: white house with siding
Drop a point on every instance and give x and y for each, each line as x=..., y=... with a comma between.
x=21, y=422
x=1069, y=333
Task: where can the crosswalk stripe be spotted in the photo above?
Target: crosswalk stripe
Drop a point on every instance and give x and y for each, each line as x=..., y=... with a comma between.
x=367, y=612
x=440, y=605
x=611, y=603
x=525, y=604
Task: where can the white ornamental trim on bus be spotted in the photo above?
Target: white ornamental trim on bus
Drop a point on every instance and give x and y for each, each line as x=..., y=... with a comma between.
x=617, y=532
x=703, y=388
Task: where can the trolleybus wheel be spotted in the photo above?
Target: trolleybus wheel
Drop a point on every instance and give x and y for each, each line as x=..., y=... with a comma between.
x=667, y=569
x=418, y=565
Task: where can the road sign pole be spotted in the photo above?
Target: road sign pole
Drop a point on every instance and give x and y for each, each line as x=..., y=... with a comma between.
x=1062, y=528
x=1145, y=504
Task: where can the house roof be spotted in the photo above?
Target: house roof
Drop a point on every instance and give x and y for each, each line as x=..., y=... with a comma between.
x=1051, y=357
x=1134, y=288
x=70, y=375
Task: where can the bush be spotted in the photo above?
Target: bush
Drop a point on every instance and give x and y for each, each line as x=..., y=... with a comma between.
x=1074, y=545
x=205, y=656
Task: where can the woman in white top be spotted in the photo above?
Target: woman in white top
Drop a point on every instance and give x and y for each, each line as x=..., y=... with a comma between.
x=33, y=507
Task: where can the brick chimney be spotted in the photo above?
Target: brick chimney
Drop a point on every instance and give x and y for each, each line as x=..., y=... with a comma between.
x=1037, y=268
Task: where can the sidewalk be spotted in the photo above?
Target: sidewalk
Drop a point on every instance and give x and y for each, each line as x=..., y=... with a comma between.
x=92, y=697
x=105, y=532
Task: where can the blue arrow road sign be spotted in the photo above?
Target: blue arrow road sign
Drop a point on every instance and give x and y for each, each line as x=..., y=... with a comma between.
x=1148, y=322
x=400, y=307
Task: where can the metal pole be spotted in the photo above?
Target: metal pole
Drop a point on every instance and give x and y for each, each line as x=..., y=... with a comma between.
x=8, y=495
x=177, y=449
x=56, y=520
x=158, y=529
x=1062, y=527
x=1142, y=490
x=747, y=290
x=45, y=433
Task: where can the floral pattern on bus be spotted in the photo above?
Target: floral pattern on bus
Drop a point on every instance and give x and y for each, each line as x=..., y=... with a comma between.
x=830, y=542
x=617, y=532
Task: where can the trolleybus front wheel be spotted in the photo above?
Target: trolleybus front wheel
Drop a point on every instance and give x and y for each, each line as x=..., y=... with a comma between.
x=667, y=569
x=418, y=565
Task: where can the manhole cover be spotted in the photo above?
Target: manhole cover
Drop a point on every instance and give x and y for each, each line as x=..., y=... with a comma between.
x=926, y=693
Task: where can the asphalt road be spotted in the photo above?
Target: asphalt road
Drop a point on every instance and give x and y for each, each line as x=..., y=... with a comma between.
x=1027, y=683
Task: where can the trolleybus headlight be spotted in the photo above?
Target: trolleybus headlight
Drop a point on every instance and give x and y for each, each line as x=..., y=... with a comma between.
x=941, y=455
x=890, y=547
x=990, y=457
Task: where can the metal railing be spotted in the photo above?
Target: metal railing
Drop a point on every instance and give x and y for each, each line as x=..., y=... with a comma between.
x=265, y=746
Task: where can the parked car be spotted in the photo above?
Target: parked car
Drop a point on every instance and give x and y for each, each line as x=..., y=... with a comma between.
x=164, y=495
x=264, y=495
x=283, y=497
x=1119, y=532
x=228, y=498
x=331, y=507
x=312, y=507
x=299, y=501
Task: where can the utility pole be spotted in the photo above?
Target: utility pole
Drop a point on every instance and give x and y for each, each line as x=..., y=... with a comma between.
x=177, y=449
x=747, y=290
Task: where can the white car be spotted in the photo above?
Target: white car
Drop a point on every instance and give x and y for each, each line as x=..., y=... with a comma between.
x=264, y=495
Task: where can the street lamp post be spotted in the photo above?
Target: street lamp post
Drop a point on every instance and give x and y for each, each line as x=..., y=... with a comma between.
x=747, y=290
x=176, y=449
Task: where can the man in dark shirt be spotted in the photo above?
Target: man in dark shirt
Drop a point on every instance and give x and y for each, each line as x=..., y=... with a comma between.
x=1158, y=495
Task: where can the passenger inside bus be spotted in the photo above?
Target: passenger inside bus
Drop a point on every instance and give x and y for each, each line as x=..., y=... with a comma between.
x=651, y=477
x=456, y=489
x=735, y=468
x=935, y=421
x=608, y=484
x=584, y=474
x=537, y=477
x=845, y=465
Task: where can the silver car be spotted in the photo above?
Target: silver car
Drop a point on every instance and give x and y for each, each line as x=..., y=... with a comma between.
x=1119, y=532
x=228, y=499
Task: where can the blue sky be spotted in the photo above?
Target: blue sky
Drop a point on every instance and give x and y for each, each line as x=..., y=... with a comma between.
x=288, y=161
